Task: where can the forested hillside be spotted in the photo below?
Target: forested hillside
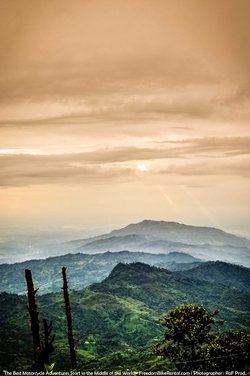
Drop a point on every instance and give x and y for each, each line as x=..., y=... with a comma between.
x=116, y=322
x=87, y=268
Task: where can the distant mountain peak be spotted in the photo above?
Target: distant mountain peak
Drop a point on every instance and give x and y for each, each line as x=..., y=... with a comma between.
x=151, y=222
x=164, y=237
x=173, y=224
x=179, y=232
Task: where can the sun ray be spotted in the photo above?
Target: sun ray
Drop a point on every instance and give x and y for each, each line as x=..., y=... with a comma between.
x=201, y=206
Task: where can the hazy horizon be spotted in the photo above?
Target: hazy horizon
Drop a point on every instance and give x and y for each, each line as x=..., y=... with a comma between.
x=18, y=244
x=117, y=111
x=9, y=230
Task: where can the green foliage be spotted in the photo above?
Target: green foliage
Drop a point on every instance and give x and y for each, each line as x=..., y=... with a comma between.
x=188, y=327
x=229, y=350
x=49, y=367
x=86, y=269
x=190, y=342
x=116, y=322
x=234, y=276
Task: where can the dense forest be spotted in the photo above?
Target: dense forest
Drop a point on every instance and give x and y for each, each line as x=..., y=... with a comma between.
x=117, y=323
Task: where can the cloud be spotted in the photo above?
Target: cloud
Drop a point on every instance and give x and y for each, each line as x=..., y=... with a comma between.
x=46, y=170
x=137, y=60
x=239, y=168
x=213, y=146
x=109, y=111
x=119, y=164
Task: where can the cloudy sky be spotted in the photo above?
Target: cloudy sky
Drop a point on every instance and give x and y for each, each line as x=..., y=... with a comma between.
x=114, y=111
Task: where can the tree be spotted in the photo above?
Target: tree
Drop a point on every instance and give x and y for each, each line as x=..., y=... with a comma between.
x=229, y=351
x=41, y=350
x=71, y=340
x=188, y=328
x=32, y=308
x=190, y=342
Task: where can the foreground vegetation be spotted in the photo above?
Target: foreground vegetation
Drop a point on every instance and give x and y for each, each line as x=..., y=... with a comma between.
x=116, y=322
x=192, y=341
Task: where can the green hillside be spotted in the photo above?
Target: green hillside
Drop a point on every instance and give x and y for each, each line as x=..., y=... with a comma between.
x=234, y=276
x=86, y=269
x=116, y=322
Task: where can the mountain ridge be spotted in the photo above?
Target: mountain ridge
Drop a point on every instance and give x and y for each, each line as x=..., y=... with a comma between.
x=88, y=268
x=116, y=319
x=163, y=237
x=149, y=222
x=230, y=275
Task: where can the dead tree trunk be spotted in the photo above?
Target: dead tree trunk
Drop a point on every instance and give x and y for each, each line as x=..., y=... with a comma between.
x=69, y=320
x=32, y=308
x=47, y=347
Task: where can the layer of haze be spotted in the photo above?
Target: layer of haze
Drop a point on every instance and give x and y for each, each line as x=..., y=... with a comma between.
x=113, y=111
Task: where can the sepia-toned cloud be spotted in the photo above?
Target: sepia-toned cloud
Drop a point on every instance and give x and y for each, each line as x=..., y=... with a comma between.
x=135, y=94
x=102, y=165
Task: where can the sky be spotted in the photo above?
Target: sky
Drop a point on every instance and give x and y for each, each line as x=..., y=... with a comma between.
x=115, y=111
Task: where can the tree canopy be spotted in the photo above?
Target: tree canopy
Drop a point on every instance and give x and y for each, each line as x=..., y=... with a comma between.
x=192, y=341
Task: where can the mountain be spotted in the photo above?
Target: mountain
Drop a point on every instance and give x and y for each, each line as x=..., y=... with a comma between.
x=116, y=321
x=85, y=269
x=149, y=236
x=172, y=231
x=169, y=245
x=164, y=237
x=220, y=272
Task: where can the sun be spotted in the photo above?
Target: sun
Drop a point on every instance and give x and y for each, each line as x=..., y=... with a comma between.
x=142, y=167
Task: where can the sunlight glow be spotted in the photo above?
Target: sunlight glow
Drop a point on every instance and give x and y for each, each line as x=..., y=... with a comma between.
x=142, y=167
x=22, y=151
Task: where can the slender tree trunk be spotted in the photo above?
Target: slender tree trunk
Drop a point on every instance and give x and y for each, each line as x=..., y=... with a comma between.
x=48, y=339
x=69, y=320
x=32, y=308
